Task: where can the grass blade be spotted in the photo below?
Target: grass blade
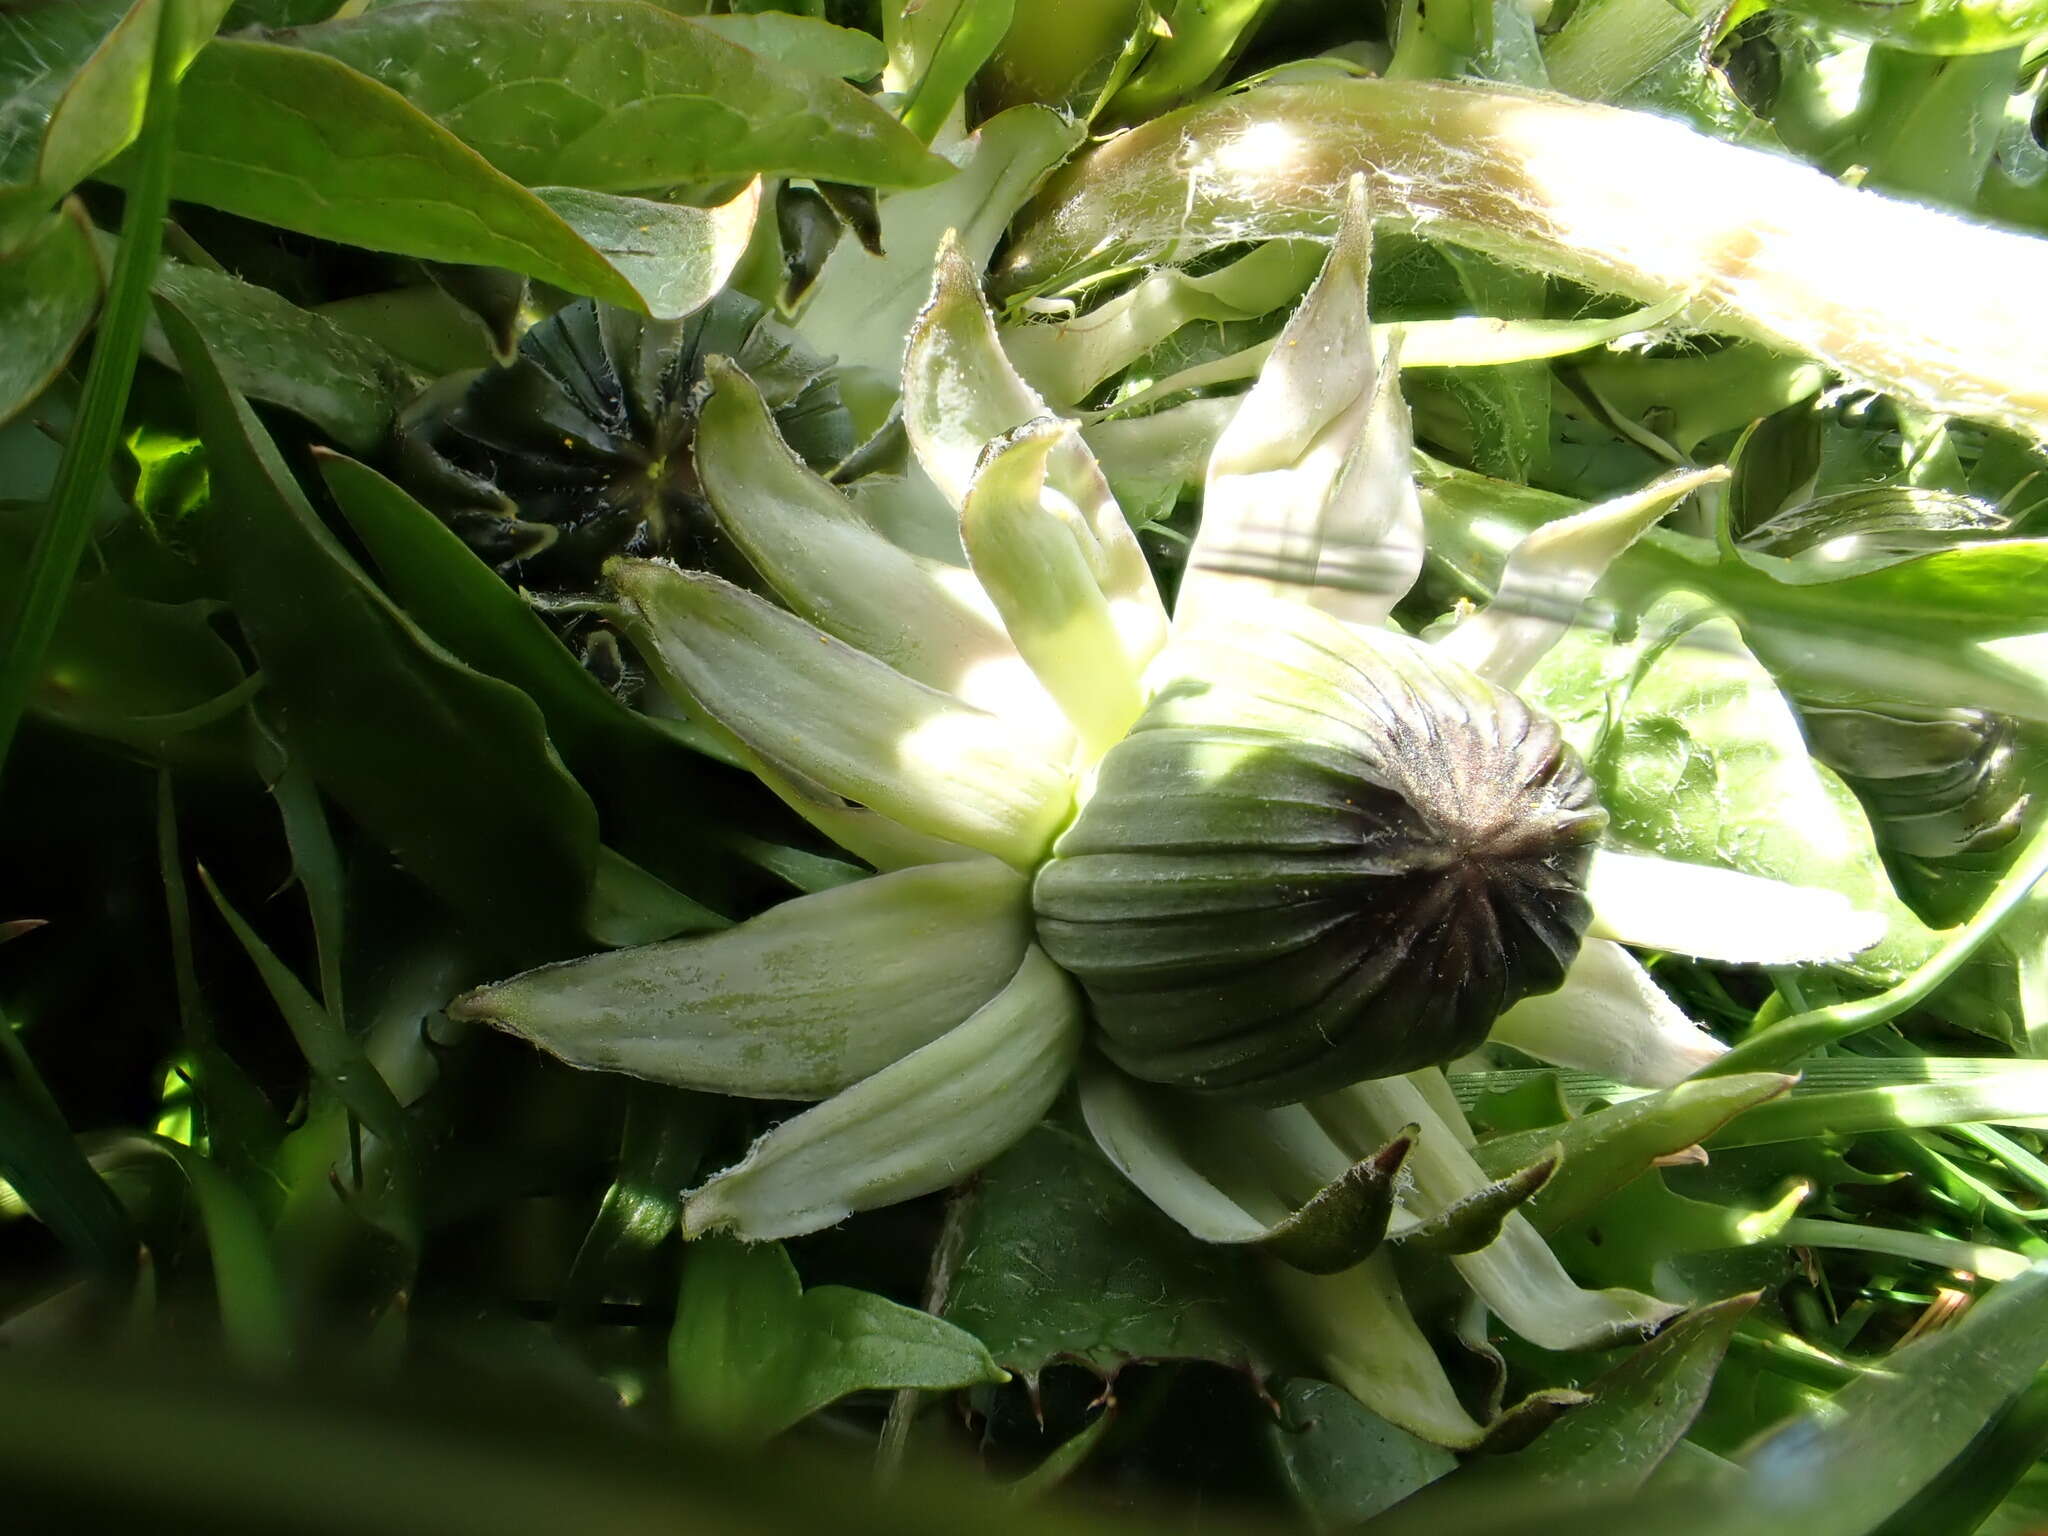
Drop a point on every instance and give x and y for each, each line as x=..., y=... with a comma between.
x=61, y=541
x=335, y=1059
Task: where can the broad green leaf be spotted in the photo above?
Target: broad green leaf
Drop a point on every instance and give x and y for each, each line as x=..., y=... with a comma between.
x=1342, y=1463
x=1638, y=1413
x=814, y=706
x=1506, y=172
x=75, y=74
x=1062, y=1259
x=862, y=306
x=419, y=325
x=619, y=96
x=752, y=1352
x=1945, y=27
x=156, y=677
x=654, y=789
x=675, y=256
x=804, y=1000
x=801, y=42
x=49, y=291
x=1977, y=590
x=447, y=768
x=1699, y=758
x=934, y=49
x=1841, y=641
x=1606, y=1149
x=394, y=182
x=67, y=524
x=465, y=607
x=921, y=1124
x=269, y=349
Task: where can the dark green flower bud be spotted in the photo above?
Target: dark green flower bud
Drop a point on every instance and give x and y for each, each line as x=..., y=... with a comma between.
x=1322, y=855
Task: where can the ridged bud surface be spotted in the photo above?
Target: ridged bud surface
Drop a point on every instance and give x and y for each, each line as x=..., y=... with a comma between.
x=1321, y=855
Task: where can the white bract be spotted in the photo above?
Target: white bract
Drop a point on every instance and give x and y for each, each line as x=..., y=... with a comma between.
x=943, y=721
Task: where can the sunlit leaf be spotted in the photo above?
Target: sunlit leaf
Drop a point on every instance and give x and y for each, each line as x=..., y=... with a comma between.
x=753, y=1352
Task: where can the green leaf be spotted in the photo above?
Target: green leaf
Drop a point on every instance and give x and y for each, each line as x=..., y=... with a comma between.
x=1888, y=1433
x=449, y=769
x=621, y=97
x=862, y=306
x=466, y=607
x=49, y=291
x=934, y=50
x=1975, y=591
x=271, y=350
x=43, y=1165
x=1944, y=27
x=1202, y=36
x=804, y=1000
x=1699, y=758
x=1064, y=1260
x=395, y=181
x=254, y=1323
x=76, y=78
x=675, y=256
x=648, y=775
x=753, y=1352
x=155, y=677
x=1610, y=1147
x=1639, y=1412
x=801, y=42
x=1342, y=1463
x=659, y=1153
x=335, y=1059
x=1821, y=638
x=67, y=526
